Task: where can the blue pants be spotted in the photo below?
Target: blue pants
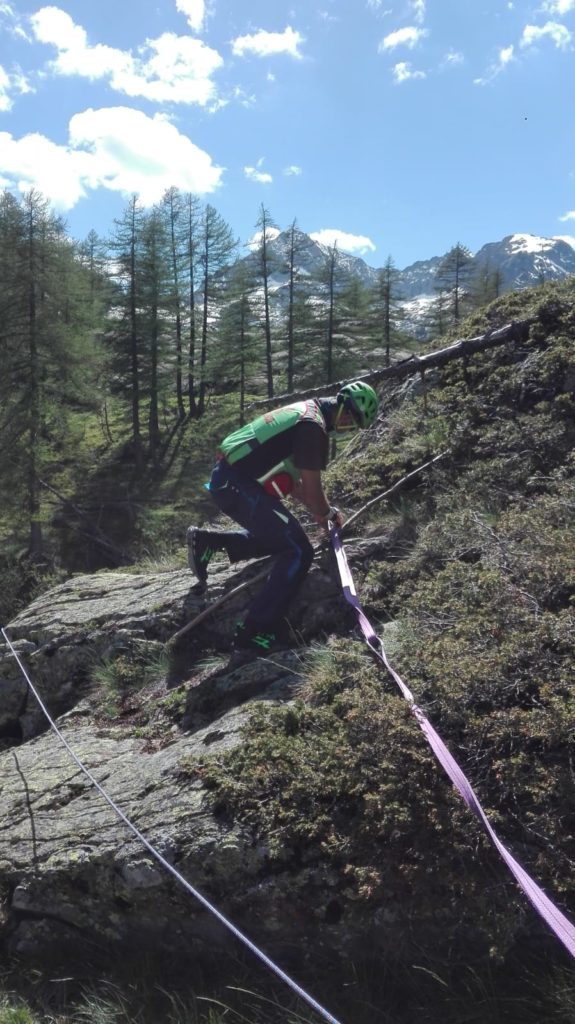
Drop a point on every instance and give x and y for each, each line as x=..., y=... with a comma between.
x=268, y=529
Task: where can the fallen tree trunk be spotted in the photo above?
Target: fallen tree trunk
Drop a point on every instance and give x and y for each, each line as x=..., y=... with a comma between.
x=518, y=330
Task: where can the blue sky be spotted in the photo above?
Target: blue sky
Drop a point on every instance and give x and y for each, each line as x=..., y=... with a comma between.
x=399, y=128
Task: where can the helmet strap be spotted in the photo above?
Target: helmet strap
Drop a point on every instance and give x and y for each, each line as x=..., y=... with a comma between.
x=336, y=424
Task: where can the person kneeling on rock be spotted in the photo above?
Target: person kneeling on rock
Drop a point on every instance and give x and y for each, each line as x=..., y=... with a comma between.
x=281, y=452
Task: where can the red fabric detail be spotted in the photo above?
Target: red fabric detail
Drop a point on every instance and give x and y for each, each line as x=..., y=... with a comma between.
x=279, y=486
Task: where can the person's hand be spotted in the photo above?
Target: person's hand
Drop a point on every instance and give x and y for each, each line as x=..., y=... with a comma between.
x=334, y=516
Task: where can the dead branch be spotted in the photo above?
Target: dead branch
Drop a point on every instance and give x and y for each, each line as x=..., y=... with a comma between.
x=214, y=606
x=391, y=490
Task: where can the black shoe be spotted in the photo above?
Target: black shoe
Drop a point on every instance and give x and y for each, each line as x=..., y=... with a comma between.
x=200, y=552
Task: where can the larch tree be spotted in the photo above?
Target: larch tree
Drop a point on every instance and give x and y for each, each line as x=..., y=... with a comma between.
x=173, y=207
x=46, y=333
x=193, y=221
x=155, y=295
x=330, y=314
x=486, y=283
x=452, y=278
x=236, y=354
x=295, y=313
x=267, y=231
x=217, y=247
x=386, y=310
x=126, y=334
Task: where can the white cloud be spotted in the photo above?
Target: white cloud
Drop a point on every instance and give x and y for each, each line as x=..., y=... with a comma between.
x=343, y=240
x=559, y=7
x=136, y=153
x=116, y=148
x=327, y=17
x=504, y=57
x=559, y=34
x=262, y=177
x=292, y=171
x=180, y=70
x=402, y=73
x=419, y=10
x=255, y=240
x=195, y=12
x=36, y=162
x=176, y=69
x=243, y=98
x=5, y=101
x=14, y=82
x=265, y=44
x=13, y=23
x=256, y=174
x=568, y=216
x=408, y=36
x=452, y=58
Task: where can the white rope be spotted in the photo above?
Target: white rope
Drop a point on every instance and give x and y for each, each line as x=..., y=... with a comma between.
x=169, y=867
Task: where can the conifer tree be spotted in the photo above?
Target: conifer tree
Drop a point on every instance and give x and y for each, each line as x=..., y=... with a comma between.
x=92, y=253
x=192, y=217
x=236, y=354
x=292, y=253
x=174, y=210
x=126, y=337
x=330, y=278
x=45, y=338
x=155, y=296
x=308, y=354
x=437, y=317
x=266, y=263
x=298, y=313
x=386, y=310
x=485, y=284
x=217, y=248
x=331, y=316
x=452, y=277
x=353, y=310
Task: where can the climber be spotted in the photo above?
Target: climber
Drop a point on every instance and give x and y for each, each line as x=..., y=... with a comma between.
x=281, y=453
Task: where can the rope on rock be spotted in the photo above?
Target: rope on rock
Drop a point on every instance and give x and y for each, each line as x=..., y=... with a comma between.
x=165, y=864
x=553, y=917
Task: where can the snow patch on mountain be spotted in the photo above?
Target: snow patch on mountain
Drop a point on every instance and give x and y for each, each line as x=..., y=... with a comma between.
x=529, y=243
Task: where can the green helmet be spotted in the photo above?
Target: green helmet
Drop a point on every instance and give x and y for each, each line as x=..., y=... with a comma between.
x=361, y=400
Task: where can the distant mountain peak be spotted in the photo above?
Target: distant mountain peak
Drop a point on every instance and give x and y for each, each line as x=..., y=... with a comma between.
x=520, y=260
x=530, y=243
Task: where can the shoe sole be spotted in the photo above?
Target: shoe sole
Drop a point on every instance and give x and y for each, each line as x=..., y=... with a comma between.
x=197, y=568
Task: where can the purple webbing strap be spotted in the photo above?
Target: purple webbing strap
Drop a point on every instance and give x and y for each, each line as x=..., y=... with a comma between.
x=557, y=921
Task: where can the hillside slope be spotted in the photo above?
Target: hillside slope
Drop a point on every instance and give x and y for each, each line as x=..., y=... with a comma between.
x=336, y=831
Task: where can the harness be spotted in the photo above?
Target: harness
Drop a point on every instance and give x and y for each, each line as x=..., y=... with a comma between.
x=246, y=439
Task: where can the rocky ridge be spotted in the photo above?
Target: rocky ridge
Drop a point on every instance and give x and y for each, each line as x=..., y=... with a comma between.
x=70, y=871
